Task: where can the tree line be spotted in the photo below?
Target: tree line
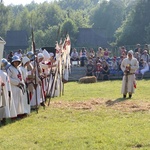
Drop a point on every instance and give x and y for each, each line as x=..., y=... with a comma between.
x=126, y=22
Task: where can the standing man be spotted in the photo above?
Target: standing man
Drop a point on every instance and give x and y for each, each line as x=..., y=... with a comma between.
x=17, y=86
x=129, y=66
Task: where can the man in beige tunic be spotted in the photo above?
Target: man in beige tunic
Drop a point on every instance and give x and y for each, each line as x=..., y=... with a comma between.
x=129, y=66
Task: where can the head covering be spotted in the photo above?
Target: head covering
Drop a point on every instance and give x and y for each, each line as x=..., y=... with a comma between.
x=4, y=62
x=131, y=53
x=25, y=60
x=46, y=55
x=51, y=54
x=40, y=55
x=145, y=51
x=15, y=58
x=30, y=55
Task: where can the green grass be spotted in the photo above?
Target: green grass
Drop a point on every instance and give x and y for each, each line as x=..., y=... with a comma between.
x=66, y=128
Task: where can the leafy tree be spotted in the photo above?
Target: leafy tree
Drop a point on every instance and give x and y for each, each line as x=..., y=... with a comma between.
x=108, y=16
x=39, y=38
x=136, y=27
x=125, y=18
x=77, y=4
x=47, y=37
x=4, y=19
x=53, y=14
x=80, y=17
x=22, y=21
x=69, y=27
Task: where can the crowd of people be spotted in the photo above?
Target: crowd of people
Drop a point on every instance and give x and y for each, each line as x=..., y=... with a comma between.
x=26, y=81
x=102, y=63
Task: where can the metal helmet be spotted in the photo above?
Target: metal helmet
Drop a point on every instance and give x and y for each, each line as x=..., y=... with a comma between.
x=4, y=62
x=40, y=55
x=15, y=58
x=30, y=55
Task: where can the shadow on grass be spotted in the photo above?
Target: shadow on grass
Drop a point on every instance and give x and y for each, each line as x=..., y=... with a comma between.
x=8, y=121
x=118, y=100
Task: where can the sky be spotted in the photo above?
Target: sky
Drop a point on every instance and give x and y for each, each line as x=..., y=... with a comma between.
x=23, y=2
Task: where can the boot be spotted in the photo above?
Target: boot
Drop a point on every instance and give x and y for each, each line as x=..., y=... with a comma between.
x=124, y=95
x=3, y=121
x=130, y=95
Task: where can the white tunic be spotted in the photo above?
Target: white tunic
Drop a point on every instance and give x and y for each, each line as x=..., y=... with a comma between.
x=128, y=80
x=4, y=101
x=25, y=96
x=17, y=93
x=36, y=97
x=9, y=101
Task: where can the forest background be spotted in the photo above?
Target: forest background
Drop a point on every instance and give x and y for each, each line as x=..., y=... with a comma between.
x=127, y=22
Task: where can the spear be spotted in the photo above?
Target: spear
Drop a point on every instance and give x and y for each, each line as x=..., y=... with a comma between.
x=35, y=66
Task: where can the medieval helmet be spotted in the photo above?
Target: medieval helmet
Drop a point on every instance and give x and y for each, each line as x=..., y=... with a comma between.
x=4, y=63
x=40, y=55
x=15, y=58
x=30, y=55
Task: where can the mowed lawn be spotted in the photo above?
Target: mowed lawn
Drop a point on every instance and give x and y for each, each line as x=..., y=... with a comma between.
x=87, y=117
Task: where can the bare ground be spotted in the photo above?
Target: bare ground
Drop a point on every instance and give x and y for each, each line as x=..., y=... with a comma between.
x=125, y=105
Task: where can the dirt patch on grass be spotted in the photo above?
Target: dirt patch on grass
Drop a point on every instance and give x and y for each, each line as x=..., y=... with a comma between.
x=86, y=105
x=129, y=106
x=119, y=104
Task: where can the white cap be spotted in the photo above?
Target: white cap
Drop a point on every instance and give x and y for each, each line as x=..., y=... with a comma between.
x=46, y=55
x=25, y=60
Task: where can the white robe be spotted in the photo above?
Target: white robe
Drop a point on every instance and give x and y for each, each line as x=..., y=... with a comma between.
x=9, y=101
x=25, y=96
x=36, y=97
x=4, y=101
x=45, y=69
x=128, y=87
x=16, y=91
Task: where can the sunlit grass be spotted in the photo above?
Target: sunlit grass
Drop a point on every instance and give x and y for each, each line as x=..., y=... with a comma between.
x=66, y=128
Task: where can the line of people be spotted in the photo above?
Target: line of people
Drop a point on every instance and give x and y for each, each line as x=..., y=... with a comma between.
x=26, y=81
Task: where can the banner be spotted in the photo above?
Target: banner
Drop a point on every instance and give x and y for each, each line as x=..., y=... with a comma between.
x=2, y=43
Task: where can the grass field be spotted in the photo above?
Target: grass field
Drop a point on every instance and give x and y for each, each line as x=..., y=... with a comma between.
x=87, y=117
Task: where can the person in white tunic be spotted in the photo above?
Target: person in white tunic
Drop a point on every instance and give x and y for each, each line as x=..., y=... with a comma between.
x=36, y=97
x=8, y=109
x=7, y=92
x=17, y=85
x=25, y=73
x=129, y=66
